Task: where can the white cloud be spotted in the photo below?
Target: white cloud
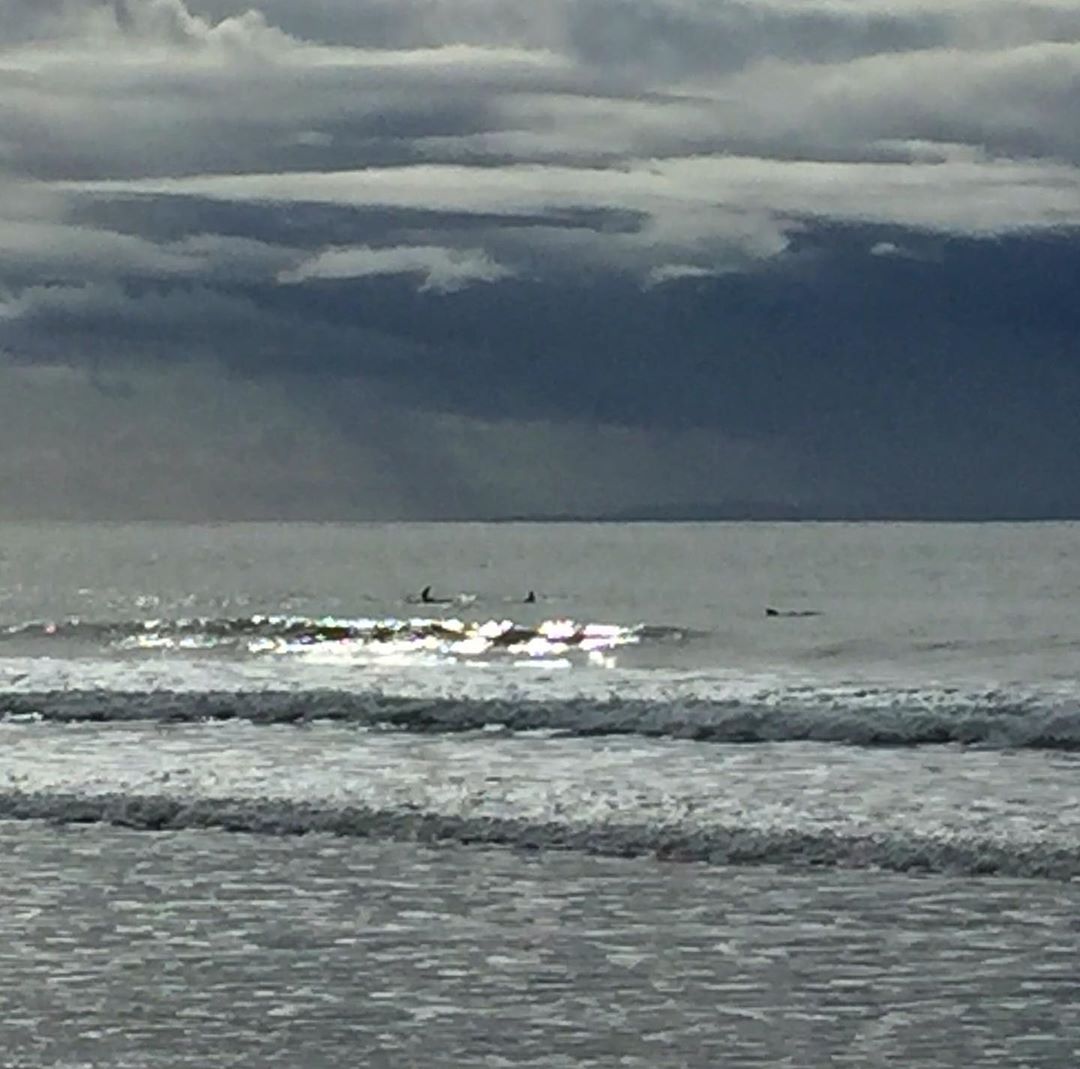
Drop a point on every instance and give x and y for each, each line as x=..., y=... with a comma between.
x=42, y=250
x=443, y=270
x=677, y=273
x=37, y=246
x=722, y=125
x=108, y=301
x=890, y=249
x=163, y=23
x=707, y=195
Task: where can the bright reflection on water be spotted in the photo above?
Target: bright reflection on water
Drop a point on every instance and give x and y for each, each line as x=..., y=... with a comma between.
x=449, y=639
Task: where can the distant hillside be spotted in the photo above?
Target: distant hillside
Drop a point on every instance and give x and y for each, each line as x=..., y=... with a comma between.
x=766, y=511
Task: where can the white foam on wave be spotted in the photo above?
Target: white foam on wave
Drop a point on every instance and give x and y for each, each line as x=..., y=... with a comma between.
x=946, y=811
x=408, y=672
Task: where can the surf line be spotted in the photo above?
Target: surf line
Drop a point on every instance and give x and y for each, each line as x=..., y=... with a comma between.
x=425, y=597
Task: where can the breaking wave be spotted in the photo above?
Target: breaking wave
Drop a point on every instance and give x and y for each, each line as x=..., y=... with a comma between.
x=261, y=634
x=720, y=845
x=852, y=716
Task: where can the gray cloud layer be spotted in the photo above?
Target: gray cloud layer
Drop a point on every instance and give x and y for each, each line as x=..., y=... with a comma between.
x=580, y=220
x=722, y=126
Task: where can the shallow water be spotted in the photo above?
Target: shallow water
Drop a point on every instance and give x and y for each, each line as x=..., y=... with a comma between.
x=207, y=949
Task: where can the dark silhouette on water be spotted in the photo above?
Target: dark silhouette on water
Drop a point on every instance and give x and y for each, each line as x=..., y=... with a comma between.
x=792, y=612
x=427, y=598
x=530, y=597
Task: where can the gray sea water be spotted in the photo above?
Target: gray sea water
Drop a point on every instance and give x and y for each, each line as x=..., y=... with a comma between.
x=739, y=794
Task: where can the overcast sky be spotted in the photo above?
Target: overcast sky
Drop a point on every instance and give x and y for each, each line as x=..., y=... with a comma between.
x=466, y=258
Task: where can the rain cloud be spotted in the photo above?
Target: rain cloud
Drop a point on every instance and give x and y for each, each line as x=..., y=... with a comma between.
x=493, y=257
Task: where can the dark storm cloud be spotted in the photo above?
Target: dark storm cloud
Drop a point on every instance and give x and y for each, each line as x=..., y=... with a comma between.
x=958, y=358
x=816, y=251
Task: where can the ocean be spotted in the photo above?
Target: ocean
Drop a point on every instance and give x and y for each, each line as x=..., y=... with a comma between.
x=715, y=794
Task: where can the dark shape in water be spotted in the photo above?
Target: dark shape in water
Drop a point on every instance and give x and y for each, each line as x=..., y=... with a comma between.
x=427, y=598
x=792, y=612
x=530, y=598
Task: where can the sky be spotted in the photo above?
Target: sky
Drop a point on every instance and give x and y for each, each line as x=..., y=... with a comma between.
x=453, y=259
